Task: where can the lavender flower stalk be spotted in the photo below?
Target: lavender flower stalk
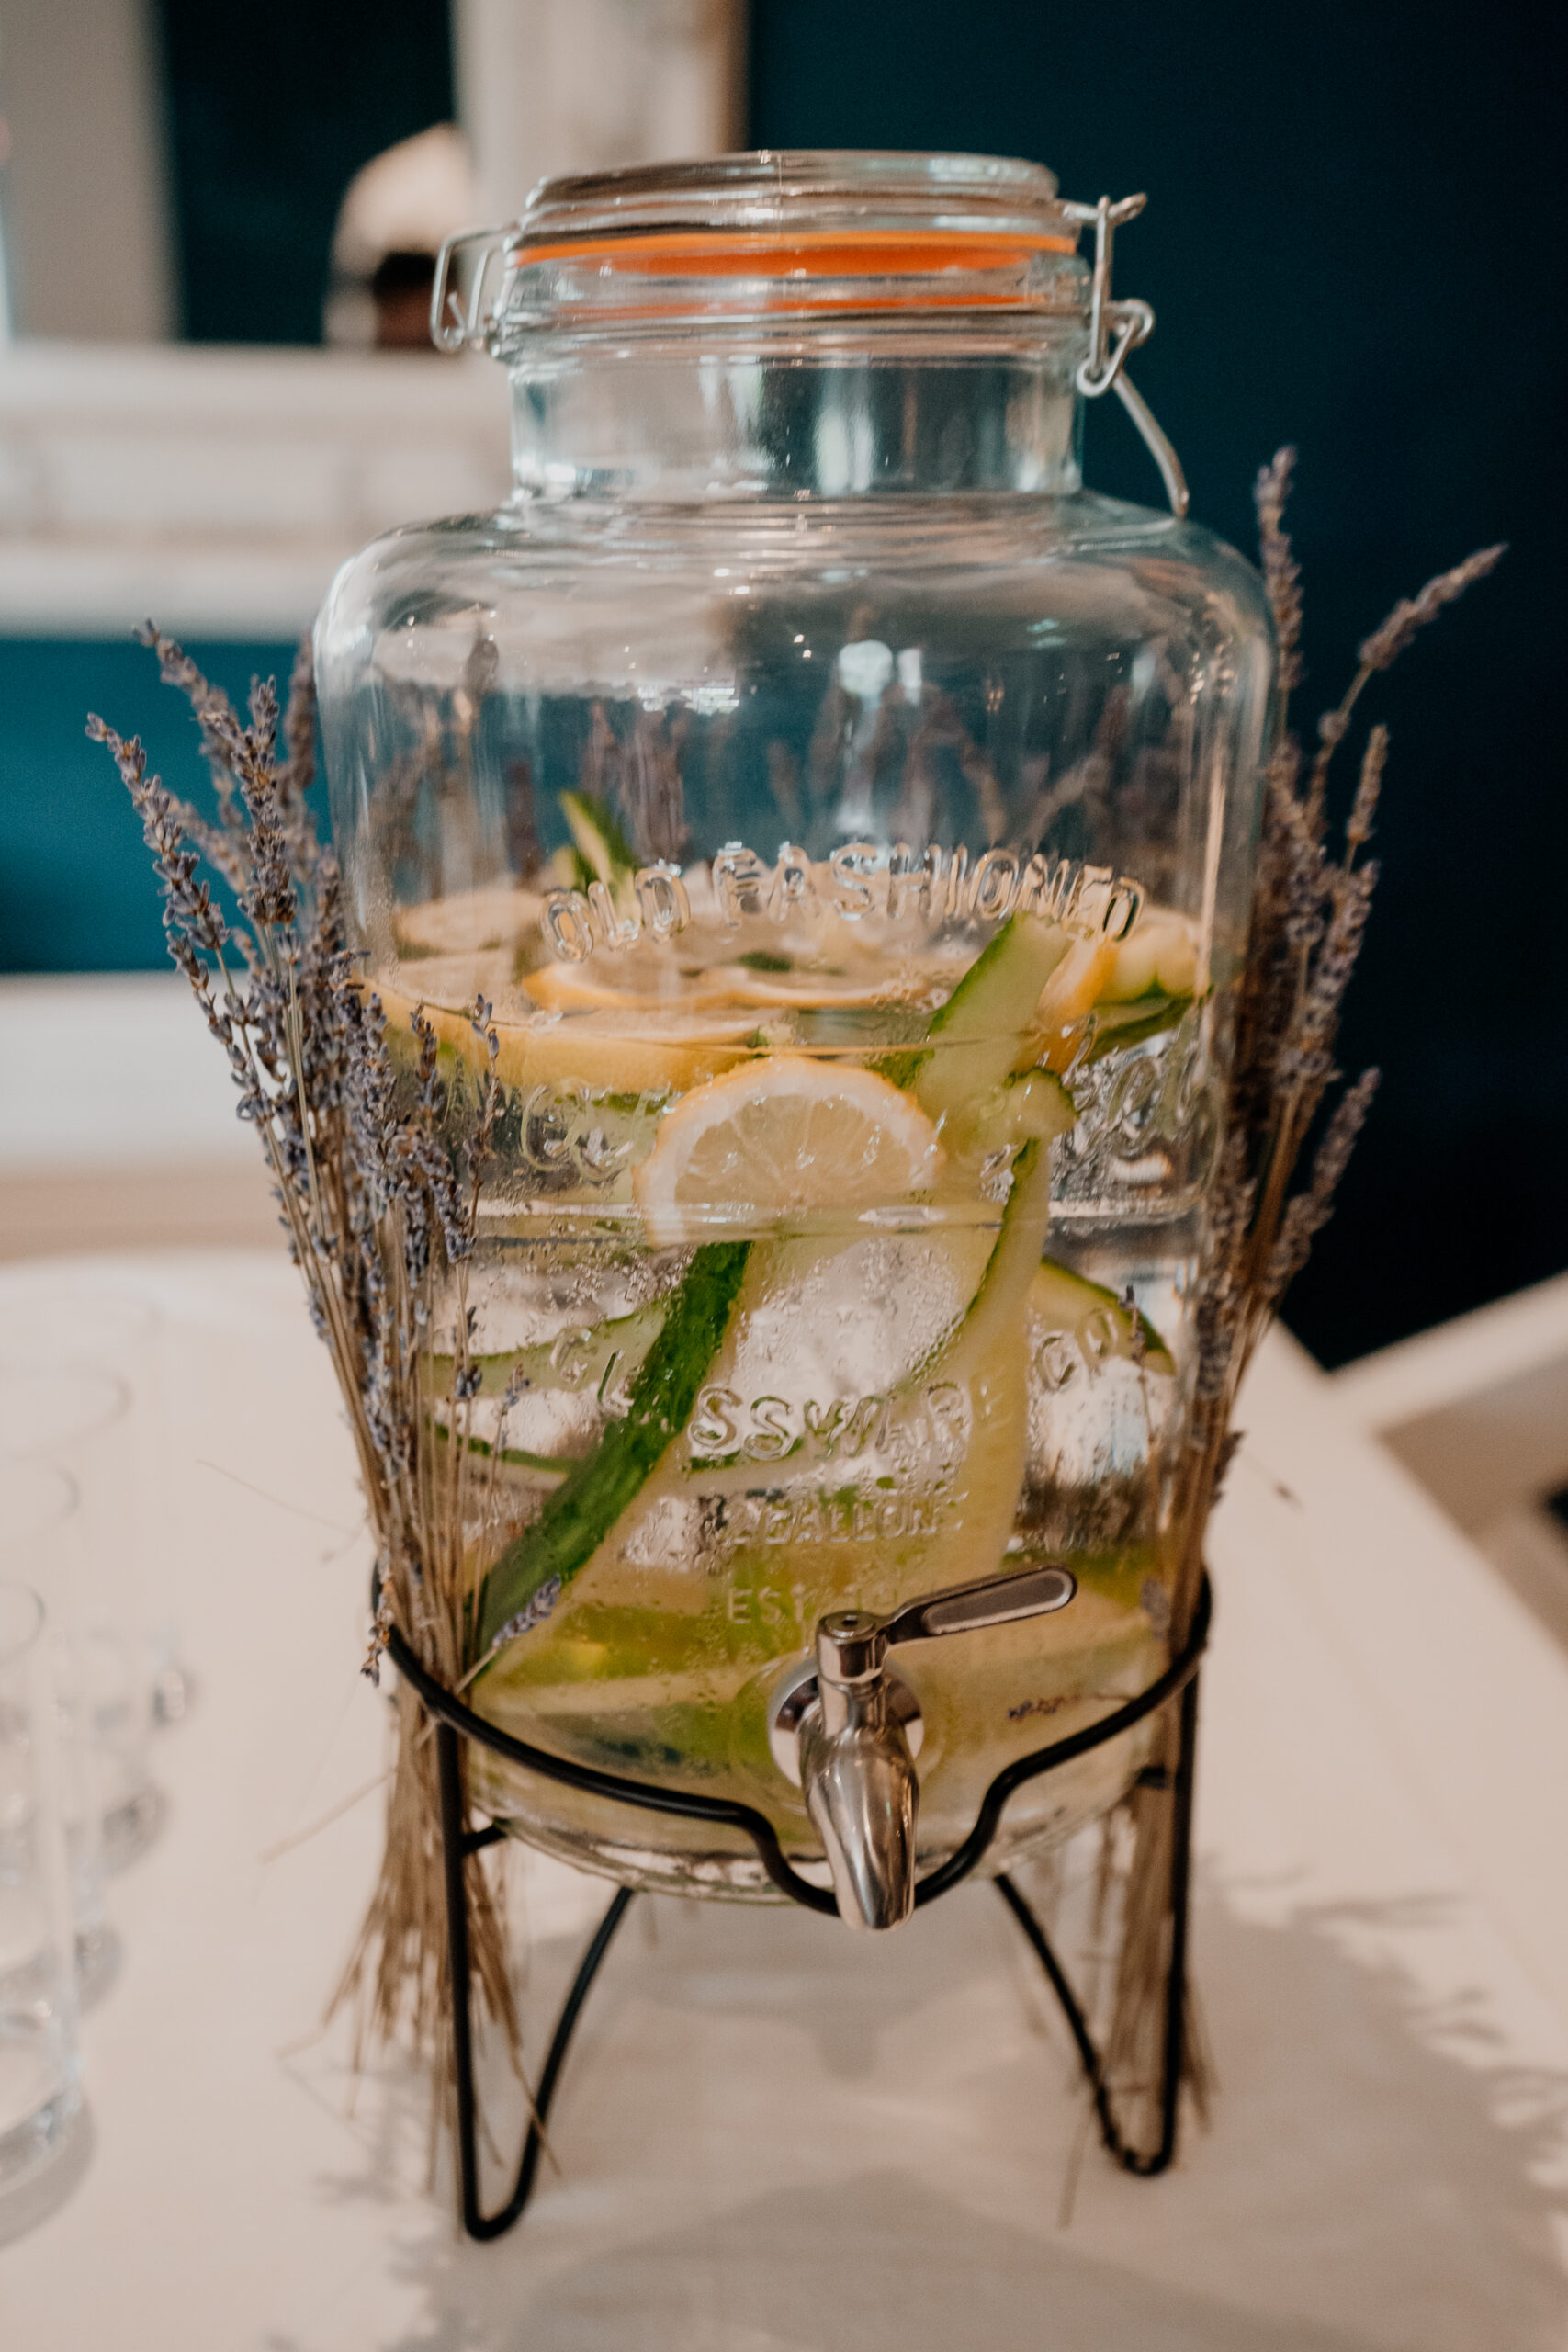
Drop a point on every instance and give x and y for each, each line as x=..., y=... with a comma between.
x=1309, y=916
x=376, y=1164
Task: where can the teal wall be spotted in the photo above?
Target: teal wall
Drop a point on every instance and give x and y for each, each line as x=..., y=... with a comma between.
x=1354, y=242
x=273, y=105
x=77, y=892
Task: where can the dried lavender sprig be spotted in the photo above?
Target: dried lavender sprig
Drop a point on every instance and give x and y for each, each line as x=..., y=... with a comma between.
x=189, y=909
x=1310, y=1211
x=194, y=928
x=271, y=901
x=421, y=1157
x=369, y=1199
x=1289, y=914
x=210, y=705
x=297, y=772
x=482, y=1023
x=1303, y=866
x=1389, y=639
x=1221, y=1293
x=259, y=1027
x=1384, y=646
x=1368, y=787
x=534, y=1613
x=1308, y=919
x=1281, y=572
x=1351, y=898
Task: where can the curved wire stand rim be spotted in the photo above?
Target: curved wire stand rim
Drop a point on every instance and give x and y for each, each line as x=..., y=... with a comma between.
x=687, y=1804
x=454, y=1719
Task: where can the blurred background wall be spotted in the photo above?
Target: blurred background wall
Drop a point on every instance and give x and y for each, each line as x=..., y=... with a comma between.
x=86, y=185
x=1351, y=244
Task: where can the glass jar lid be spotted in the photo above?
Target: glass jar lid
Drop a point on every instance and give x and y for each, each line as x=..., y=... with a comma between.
x=796, y=232
x=816, y=212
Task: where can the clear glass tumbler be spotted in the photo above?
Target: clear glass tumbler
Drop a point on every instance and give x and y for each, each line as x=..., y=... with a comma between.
x=41, y=2093
x=78, y=1417
x=60, y=1313
x=38, y=1539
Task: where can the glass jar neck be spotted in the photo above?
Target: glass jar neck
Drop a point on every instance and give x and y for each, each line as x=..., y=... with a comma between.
x=716, y=415
x=794, y=325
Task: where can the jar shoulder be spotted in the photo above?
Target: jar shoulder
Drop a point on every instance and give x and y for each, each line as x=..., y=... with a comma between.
x=1121, y=571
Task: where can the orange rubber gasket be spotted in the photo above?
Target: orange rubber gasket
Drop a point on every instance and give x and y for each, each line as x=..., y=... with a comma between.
x=816, y=253
x=823, y=306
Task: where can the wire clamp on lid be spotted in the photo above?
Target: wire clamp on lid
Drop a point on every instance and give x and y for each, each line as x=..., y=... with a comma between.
x=459, y=319
x=1114, y=330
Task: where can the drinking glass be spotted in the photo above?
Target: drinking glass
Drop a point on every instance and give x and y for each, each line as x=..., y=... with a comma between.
x=76, y=1415
x=41, y=2092
x=58, y=1313
x=38, y=1531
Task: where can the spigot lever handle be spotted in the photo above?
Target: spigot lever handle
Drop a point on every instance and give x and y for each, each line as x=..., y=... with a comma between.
x=852, y=1740
x=995, y=1600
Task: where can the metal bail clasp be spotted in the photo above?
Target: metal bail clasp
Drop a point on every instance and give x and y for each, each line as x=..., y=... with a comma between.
x=459, y=321
x=1132, y=323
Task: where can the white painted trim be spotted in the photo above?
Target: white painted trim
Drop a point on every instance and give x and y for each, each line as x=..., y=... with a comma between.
x=112, y=1070
x=220, y=489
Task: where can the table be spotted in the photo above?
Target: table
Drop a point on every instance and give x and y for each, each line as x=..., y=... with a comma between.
x=774, y=2137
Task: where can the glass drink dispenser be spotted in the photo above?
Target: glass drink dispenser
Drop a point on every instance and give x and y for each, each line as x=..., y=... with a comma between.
x=847, y=817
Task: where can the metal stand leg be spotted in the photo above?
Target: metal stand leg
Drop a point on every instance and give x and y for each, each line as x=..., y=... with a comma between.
x=1145, y=2163
x=458, y=1843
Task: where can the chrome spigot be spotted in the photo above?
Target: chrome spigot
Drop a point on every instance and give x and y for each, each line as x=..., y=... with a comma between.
x=847, y=1730
x=858, y=1774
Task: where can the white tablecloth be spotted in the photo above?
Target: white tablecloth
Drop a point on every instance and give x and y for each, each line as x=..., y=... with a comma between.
x=774, y=2137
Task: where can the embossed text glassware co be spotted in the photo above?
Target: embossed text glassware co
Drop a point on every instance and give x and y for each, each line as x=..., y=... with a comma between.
x=845, y=819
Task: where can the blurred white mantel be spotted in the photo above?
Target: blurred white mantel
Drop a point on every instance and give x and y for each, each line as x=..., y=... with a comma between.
x=220, y=487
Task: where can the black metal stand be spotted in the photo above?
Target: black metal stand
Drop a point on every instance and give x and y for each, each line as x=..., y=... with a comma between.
x=454, y=1719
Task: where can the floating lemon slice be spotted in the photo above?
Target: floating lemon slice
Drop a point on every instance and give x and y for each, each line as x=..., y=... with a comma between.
x=569, y=988
x=566, y=988
x=627, y=1054
x=469, y=919
x=1069, y=995
x=778, y=1137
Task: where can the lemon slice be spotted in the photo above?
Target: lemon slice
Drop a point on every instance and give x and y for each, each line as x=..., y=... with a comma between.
x=1070, y=994
x=568, y=987
x=469, y=920
x=779, y=1136
x=1076, y=983
x=565, y=987
x=627, y=1054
